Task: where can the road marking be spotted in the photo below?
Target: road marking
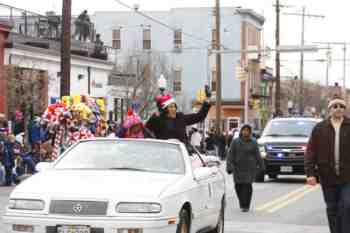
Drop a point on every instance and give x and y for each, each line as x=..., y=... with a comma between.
x=272, y=227
x=283, y=199
x=293, y=199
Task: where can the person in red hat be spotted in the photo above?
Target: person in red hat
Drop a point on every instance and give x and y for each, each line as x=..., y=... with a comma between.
x=132, y=126
x=171, y=124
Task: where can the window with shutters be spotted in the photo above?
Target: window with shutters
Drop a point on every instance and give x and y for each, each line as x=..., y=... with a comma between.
x=213, y=38
x=178, y=39
x=177, y=80
x=213, y=80
x=147, y=38
x=116, y=39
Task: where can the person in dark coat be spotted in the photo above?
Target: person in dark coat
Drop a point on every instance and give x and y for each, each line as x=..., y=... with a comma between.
x=7, y=157
x=328, y=156
x=171, y=124
x=221, y=145
x=244, y=161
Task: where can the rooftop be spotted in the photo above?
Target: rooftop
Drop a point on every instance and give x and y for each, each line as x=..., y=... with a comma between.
x=44, y=31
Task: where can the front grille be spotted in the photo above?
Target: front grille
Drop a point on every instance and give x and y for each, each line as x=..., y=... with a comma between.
x=53, y=229
x=287, y=150
x=290, y=147
x=78, y=208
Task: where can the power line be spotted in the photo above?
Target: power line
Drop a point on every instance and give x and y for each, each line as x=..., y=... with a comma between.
x=301, y=88
x=164, y=24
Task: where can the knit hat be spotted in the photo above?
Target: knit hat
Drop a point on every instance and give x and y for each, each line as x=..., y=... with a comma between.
x=164, y=101
x=131, y=119
x=336, y=100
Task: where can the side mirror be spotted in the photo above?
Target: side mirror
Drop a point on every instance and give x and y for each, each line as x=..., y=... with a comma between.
x=256, y=135
x=212, y=161
x=202, y=173
x=43, y=166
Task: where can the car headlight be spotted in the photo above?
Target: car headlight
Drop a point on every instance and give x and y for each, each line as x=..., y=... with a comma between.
x=262, y=150
x=26, y=204
x=141, y=207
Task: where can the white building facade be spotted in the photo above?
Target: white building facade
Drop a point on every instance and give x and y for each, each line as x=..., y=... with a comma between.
x=188, y=47
x=83, y=70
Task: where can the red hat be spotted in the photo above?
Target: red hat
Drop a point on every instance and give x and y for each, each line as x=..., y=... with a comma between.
x=132, y=119
x=165, y=100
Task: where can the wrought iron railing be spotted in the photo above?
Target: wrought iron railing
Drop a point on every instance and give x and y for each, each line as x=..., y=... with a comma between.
x=36, y=27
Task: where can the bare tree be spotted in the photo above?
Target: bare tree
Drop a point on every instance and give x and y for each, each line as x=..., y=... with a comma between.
x=26, y=90
x=141, y=75
x=313, y=94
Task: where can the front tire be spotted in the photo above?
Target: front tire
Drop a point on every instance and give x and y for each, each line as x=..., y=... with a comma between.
x=184, y=223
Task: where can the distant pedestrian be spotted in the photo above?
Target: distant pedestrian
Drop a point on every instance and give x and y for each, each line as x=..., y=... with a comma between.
x=328, y=150
x=196, y=138
x=209, y=143
x=220, y=141
x=244, y=161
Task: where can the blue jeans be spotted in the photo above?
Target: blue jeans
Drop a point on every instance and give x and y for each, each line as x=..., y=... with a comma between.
x=337, y=198
x=8, y=175
x=29, y=161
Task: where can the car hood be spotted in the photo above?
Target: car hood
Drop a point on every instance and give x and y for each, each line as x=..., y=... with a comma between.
x=267, y=140
x=97, y=184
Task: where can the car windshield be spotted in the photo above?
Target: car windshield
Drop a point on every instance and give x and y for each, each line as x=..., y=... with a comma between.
x=290, y=128
x=124, y=155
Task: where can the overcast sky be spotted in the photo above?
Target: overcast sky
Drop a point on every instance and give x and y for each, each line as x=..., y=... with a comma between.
x=329, y=29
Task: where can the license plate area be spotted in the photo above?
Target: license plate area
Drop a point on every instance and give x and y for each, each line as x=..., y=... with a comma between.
x=73, y=229
x=287, y=169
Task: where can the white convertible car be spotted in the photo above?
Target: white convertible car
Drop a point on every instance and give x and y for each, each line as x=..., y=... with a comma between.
x=121, y=186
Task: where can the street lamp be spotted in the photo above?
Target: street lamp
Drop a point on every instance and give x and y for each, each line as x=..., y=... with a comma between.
x=162, y=84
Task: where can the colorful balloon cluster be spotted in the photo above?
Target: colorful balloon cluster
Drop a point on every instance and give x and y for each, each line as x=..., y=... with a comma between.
x=77, y=107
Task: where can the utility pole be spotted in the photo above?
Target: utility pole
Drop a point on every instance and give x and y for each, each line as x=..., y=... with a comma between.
x=65, y=47
x=328, y=60
x=218, y=68
x=301, y=84
x=278, y=110
x=301, y=74
x=277, y=63
x=344, y=44
x=344, y=72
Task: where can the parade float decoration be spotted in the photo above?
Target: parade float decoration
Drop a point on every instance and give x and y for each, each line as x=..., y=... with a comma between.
x=74, y=118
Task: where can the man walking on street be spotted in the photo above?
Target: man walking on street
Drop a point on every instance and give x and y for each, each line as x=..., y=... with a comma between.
x=329, y=150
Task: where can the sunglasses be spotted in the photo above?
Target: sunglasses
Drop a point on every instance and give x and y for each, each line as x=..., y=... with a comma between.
x=338, y=106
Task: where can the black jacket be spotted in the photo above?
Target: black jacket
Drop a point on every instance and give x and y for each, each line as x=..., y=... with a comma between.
x=164, y=127
x=244, y=160
x=320, y=153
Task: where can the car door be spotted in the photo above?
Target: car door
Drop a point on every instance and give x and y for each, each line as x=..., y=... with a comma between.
x=216, y=184
x=204, y=190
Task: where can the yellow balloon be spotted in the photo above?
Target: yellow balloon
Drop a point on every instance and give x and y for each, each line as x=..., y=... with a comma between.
x=76, y=99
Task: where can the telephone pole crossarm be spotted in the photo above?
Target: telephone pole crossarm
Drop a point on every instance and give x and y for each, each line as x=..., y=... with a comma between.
x=301, y=84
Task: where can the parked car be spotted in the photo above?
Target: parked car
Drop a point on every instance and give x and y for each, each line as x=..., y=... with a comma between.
x=283, y=144
x=118, y=186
